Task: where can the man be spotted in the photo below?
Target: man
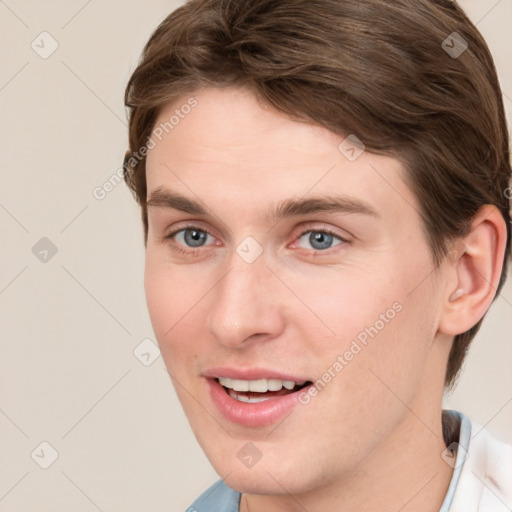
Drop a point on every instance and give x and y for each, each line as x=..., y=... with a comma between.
x=323, y=188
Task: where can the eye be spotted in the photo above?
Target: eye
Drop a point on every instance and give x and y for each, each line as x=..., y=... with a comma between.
x=191, y=239
x=190, y=236
x=320, y=239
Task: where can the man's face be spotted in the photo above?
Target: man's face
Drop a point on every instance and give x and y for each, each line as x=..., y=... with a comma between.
x=257, y=287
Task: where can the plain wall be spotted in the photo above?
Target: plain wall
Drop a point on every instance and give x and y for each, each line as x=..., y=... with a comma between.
x=70, y=324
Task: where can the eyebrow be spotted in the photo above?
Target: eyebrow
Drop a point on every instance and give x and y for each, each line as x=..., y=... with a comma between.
x=162, y=198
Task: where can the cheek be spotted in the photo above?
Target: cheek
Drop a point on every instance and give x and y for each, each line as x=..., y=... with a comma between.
x=159, y=297
x=344, y=305
x=172, y=302
x=369, y=325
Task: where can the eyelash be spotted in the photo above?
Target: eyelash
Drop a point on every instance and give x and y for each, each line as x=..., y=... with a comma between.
x=198, y=250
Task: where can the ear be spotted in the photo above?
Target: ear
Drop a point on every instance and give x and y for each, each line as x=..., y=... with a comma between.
x=476, y=264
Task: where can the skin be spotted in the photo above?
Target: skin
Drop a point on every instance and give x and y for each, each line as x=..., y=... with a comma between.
x=371, y=439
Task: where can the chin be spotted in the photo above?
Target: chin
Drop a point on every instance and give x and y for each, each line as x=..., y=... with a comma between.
x=276, y=472
x=264, y=482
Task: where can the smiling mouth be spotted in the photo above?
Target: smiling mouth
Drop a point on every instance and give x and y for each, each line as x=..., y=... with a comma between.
x=260, y=390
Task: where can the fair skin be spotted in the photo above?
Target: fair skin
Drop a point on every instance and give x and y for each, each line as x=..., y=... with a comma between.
x=371, y=439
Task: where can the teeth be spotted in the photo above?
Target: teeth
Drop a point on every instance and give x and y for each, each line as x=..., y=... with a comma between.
x=258, y=386
x=247, y=399
x=274, y=384
x=238, y=385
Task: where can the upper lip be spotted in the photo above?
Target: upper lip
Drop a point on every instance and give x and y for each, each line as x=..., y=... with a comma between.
x=251, y=374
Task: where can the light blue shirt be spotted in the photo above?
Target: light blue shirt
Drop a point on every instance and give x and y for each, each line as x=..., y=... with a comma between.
x=220, y=498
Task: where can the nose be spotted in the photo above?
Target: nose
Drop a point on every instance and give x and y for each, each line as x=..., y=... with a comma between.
x=246, y=304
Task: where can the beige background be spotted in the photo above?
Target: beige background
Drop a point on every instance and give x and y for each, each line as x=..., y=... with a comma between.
x=68, y=374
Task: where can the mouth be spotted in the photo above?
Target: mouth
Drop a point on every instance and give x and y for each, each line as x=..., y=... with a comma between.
x=256, y=400
x=260, y=390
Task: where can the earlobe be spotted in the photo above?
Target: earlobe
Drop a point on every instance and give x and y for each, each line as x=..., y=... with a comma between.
x=477, y=268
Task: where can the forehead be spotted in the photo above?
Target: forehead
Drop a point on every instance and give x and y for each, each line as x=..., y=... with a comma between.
x=231, y=123
x=231, y=146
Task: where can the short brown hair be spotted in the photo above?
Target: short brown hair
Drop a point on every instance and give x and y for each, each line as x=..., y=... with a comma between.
x=379, y=69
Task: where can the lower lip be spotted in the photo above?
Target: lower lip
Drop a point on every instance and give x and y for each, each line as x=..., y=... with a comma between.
x=259, y=414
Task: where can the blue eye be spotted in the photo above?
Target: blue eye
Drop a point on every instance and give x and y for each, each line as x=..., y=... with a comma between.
x=321, y=239
x=191, y=237
x=192, y=240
